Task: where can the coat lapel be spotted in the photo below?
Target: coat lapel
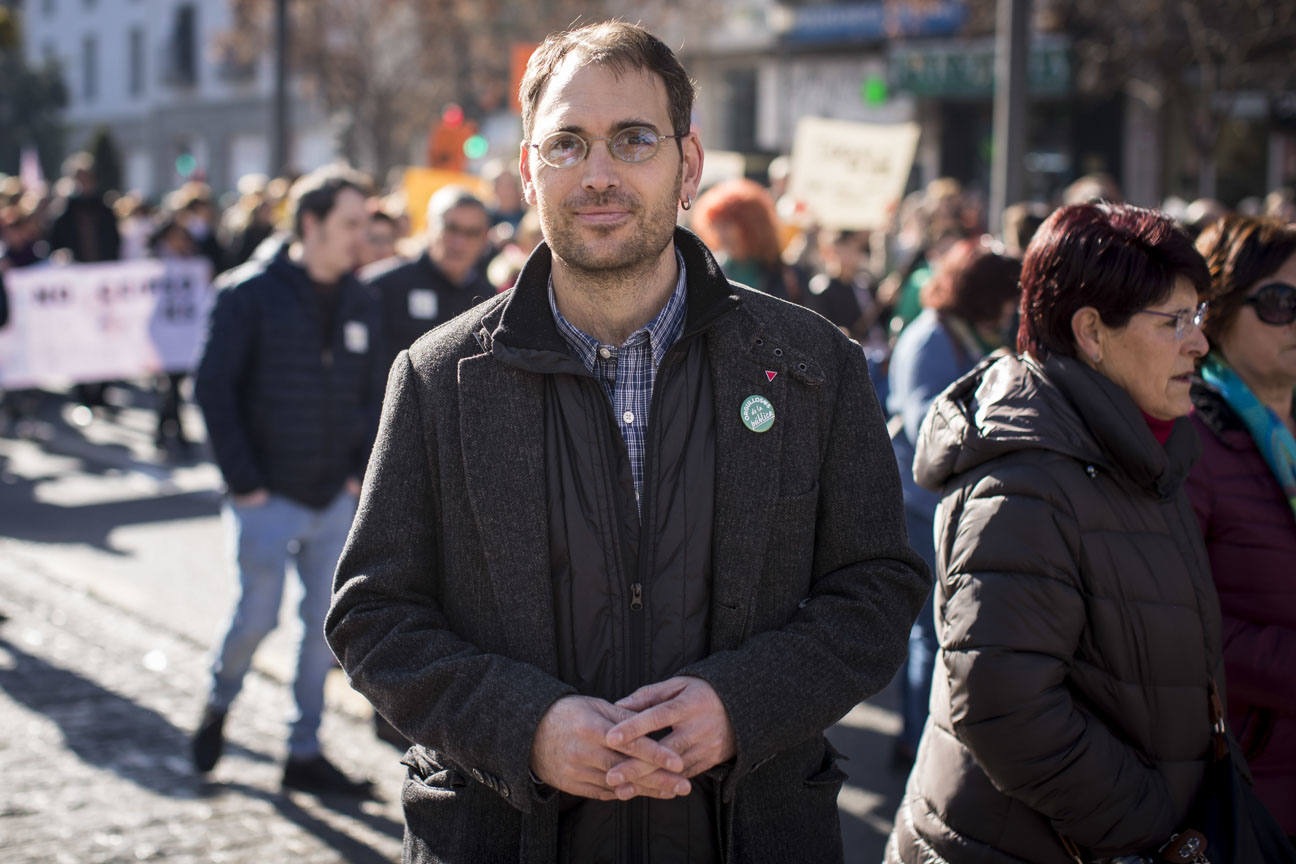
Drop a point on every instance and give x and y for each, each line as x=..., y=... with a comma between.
x=747, y=474
x=501, y=424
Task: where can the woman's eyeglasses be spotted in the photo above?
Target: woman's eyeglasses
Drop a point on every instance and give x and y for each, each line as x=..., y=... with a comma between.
x=1275, y=303
x=632, y=144
x=1182, y=318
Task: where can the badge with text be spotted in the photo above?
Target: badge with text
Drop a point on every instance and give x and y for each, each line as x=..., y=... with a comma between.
x=757, y=413
x=355, y=335
x=422, y=304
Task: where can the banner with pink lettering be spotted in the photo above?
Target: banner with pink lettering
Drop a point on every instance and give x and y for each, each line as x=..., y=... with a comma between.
x=77, y=323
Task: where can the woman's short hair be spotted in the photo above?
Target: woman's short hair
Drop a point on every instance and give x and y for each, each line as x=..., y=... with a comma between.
x=1240, y=251
x=749, y=207
x=1117, y=258
x=973, y=281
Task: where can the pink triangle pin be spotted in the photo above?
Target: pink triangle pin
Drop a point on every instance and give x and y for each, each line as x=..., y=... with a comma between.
x=770, y=374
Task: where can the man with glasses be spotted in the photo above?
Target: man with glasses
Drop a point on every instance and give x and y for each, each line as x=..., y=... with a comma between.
x=632, y=535
x=445, y=280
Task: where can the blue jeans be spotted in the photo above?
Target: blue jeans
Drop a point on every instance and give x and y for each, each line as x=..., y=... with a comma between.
x=264, y=540
x=916, y=673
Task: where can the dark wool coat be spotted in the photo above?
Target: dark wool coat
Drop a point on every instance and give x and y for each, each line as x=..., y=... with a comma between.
x=443, y=613
x=1077, y=621
x=1250, y=535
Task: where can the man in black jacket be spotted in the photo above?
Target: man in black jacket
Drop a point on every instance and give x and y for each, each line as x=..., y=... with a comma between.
x=631, y=538
x=442, y=282
x=289, y=383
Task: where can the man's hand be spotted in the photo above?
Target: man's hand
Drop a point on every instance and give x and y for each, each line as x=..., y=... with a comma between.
x=700, y=730
x=255, y=498
x=570, y=753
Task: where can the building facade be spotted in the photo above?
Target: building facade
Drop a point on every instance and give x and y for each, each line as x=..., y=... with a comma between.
x=149, y=72
x=763, y=64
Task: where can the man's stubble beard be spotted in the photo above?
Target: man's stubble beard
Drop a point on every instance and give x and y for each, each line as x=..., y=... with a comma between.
x=652, y=230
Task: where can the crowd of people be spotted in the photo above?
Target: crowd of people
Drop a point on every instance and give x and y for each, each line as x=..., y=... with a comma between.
x=1114, y=610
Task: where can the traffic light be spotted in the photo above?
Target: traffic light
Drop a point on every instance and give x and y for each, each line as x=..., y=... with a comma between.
x=447, y=140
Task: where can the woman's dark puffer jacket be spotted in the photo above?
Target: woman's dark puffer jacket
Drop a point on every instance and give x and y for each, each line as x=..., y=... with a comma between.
x=1077, y=621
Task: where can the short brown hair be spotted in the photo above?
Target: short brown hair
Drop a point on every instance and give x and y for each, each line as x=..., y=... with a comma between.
x=973, y=282
x=1240, y=251
x=620, y=47
x=317, y=192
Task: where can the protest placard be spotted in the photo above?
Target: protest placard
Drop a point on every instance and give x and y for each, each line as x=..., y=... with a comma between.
x=851, y=175
x=78, y=323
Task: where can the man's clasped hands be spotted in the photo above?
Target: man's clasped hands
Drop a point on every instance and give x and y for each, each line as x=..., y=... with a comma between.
x=596, y=749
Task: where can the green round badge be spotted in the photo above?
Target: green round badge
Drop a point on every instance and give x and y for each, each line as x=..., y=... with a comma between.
x=757, y=413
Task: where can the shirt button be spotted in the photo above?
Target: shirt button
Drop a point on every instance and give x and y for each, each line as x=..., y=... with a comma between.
x=605, y=352
x=628, y=417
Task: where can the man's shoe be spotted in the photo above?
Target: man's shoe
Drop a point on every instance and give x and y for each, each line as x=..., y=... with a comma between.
x=209, y=739
x=317, y=774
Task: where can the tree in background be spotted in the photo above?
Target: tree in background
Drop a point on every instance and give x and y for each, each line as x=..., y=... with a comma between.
x=386, y=68
x=30, y=103
x=1187, y=60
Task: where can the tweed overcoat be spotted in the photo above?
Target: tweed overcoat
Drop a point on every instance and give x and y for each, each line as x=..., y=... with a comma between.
x=443, y=614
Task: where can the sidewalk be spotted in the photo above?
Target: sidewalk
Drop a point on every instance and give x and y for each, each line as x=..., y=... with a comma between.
x=113, y=586
x=96, y=706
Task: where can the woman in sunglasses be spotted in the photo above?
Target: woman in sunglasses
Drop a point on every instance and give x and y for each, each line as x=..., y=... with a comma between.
x=1244, y=488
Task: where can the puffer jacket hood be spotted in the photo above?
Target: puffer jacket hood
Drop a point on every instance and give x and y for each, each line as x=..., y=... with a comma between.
x=1009, y=403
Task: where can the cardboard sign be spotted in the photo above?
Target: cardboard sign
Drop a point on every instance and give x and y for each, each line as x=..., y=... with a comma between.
x=852, y=175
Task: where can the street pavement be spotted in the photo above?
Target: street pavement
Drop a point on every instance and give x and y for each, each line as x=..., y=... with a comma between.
x=114, y=584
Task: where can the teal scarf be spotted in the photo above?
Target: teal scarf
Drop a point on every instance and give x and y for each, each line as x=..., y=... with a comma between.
x=1272, y=438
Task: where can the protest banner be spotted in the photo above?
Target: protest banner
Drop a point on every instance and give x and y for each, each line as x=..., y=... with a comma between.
x=79, y=323
x=851, y=175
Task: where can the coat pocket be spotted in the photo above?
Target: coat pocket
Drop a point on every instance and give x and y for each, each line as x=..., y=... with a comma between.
x=449, y=819
x=829, y=773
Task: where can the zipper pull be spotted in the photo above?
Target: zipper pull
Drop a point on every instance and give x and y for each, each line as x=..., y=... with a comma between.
x=636, y=596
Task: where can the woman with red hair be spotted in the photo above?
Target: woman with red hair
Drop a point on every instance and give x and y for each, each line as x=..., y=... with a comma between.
x=736, y=218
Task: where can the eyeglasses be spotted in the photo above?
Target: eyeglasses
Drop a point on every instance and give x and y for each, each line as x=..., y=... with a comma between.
x=472, y=232
x=1182, y=318
x=632, y=144
x=1275, y=303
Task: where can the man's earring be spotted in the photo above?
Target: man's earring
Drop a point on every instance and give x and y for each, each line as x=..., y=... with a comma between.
x=686, y=202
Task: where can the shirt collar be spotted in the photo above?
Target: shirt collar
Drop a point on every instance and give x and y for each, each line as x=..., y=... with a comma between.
x=661, y=331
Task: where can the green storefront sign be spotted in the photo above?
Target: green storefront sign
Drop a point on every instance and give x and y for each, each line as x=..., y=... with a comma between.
x=966, y=69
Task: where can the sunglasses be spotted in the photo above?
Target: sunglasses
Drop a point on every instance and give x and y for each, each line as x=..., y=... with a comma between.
x=1275, y=303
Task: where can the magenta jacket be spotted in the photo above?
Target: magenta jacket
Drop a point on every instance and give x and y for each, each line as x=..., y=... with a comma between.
x=1250, y=533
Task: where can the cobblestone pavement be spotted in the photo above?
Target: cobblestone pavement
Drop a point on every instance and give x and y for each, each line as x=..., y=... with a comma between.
x=113, y=586
x=95, y=705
